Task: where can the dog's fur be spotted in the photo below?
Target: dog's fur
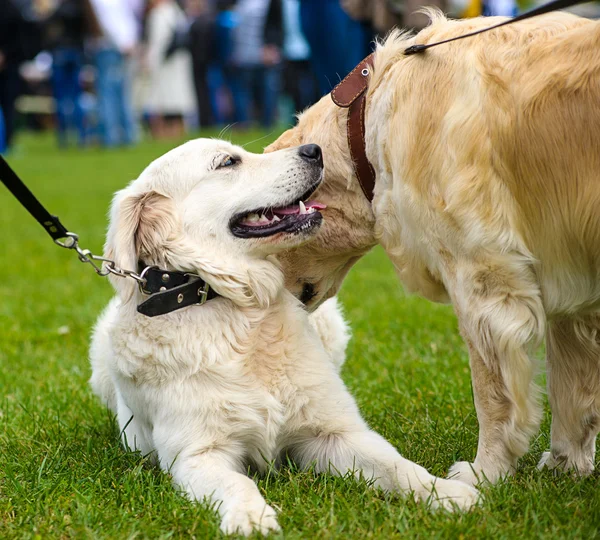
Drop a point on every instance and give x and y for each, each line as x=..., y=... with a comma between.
x=208, y=390
x=487, y=154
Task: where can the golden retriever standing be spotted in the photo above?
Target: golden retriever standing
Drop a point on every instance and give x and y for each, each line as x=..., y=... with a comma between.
x=487, y=154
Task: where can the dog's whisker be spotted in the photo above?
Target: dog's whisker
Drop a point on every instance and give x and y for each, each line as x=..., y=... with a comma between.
x=224, y=130
x=259, y=139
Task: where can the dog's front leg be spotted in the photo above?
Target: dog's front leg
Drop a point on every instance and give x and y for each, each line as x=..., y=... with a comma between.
x=211, y=475
x=339, y=442
x=133, y=434
x=501, y=318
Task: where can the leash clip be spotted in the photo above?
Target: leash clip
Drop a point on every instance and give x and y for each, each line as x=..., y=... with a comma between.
x=107, y=266
x=69, y=242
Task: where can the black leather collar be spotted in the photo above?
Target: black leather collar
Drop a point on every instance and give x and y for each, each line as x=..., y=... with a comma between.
x=170, y=291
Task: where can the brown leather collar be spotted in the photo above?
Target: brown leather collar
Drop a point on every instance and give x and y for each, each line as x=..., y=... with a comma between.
x=350, y=94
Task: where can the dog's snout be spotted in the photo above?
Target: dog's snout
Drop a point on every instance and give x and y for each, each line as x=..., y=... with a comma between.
x=311, y=152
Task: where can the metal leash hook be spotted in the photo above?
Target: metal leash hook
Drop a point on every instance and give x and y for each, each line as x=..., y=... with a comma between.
x=107, y=266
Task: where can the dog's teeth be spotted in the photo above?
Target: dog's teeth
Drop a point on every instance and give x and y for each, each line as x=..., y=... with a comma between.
x=311, y=210
x=276, y=218
x=302, y=207
x=264, y=219
x=252, y=218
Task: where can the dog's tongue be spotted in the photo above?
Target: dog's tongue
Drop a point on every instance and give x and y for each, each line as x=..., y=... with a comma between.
x=296, y=208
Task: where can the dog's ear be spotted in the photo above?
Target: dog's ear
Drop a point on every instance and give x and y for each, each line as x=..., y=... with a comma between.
x=146, y=227
x=290, y=138
x=141, y=227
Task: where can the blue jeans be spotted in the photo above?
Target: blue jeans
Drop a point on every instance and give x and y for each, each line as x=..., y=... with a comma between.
x=66, y=69
x=255, y=85
x=117, y=124
x=2, y=133
x=337, y=42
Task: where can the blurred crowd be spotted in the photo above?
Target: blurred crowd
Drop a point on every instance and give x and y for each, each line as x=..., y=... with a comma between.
x=98, y=71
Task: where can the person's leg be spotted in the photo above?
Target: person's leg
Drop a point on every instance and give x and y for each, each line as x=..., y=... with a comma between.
x=338, y=43
x=240, y=81
x=216, y=87
x=305, y=87
x=125, y=108
x=107, y=80
x=10, y=85
x=270, y=84
x=205, y=112
x=311, y=13
x=2, y=133
x=347, y=44
x=60, y=93
x=76, y=93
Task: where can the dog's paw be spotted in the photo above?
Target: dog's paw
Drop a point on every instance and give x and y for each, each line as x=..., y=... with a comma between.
x=548, y=461
x=248, y=519
x=562, y=464
x=473, y=474
x=453, y=495
x=463, y=471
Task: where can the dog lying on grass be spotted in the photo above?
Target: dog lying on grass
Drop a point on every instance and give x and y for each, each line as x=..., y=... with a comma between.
x=487, y=157
x=209, y=390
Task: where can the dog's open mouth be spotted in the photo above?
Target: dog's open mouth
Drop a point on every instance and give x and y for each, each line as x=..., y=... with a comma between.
x=297, y=217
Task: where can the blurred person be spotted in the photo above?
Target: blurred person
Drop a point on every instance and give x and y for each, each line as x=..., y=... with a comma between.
x=64, y=32
x=115, y=37
x=201, y=44
x=384, y=15
x=258, y=38
x=2, y=133
x=171, y=98
x=337, y=41
x=505, y=8
x=19, y=41
x=221, y=69
x=299, y=81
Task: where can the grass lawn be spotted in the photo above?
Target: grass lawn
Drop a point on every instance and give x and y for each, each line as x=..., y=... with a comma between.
x=63, y=473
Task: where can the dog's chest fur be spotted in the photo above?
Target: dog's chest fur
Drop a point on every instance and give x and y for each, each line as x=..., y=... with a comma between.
x=235, y=374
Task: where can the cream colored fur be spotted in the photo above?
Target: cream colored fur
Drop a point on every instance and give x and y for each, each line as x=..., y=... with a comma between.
x=487, y=157
x=208, y=390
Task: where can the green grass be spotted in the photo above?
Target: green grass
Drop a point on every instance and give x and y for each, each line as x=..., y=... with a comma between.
x=63, y=473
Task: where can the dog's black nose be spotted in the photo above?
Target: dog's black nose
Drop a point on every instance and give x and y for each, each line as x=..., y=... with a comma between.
x=311, y=152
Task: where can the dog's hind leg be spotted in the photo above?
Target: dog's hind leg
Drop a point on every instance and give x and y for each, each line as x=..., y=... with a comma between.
x=573, y=368
x=100, y=354
x=501, y=318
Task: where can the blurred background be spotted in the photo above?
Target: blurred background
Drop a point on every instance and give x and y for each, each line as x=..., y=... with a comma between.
x=111, y=72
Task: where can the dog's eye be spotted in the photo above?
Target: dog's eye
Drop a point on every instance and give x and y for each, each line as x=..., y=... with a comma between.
x=227, y=162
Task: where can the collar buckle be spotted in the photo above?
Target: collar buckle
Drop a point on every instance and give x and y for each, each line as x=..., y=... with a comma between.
x=203, y=294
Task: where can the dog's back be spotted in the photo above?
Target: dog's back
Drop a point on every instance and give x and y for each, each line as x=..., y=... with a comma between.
x=502, y=132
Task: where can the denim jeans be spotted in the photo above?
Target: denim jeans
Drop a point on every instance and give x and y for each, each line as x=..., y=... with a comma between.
x=117, y=124
x=10, y=87
x=2, y=133
x=66, y=87
x=255, y=85
x=337, y=42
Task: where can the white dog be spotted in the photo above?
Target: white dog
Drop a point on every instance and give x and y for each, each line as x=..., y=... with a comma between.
x=210, y=389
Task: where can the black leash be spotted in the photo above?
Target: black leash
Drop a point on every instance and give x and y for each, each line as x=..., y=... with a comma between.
x=51, y=223
x=167, y=290
x=546, y=8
